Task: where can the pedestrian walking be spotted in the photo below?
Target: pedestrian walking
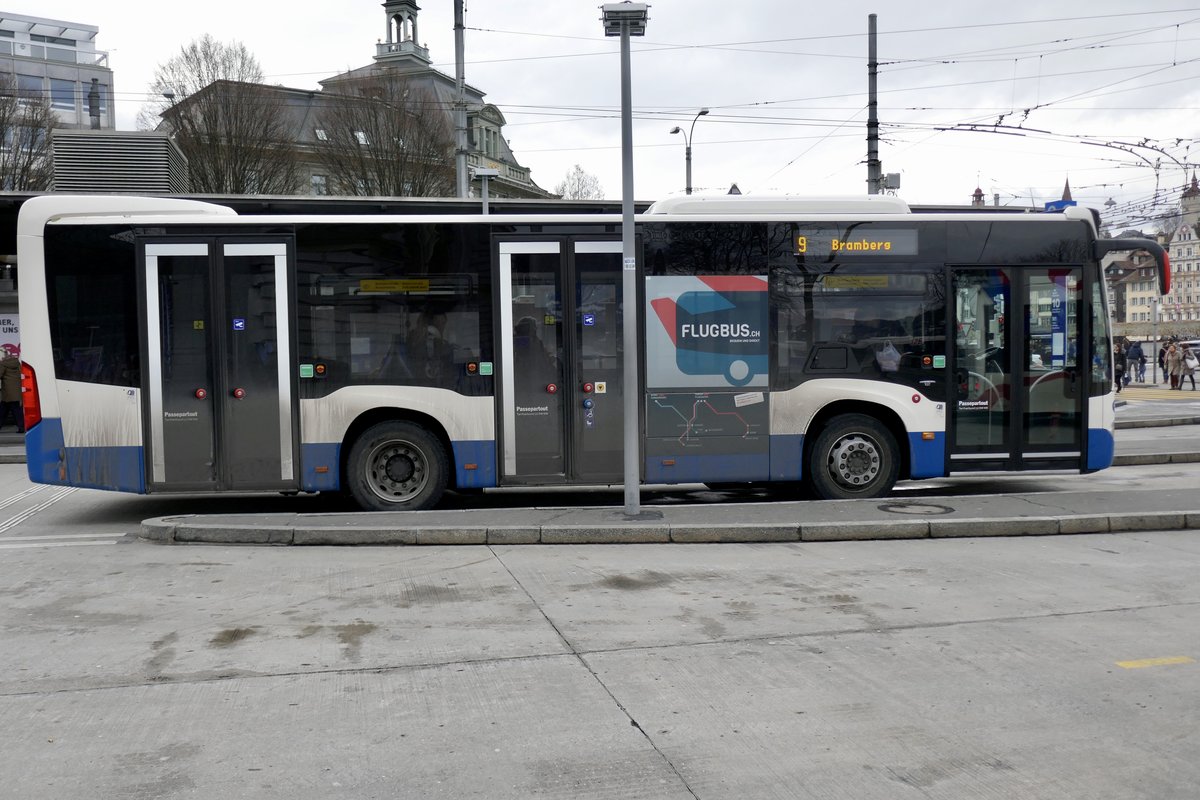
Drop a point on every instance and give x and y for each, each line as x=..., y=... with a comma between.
x=1190, y=364
x=1162, y=360
x=1120, y=365
x=10, y=390
x=1174, y=365
x=1137, y=363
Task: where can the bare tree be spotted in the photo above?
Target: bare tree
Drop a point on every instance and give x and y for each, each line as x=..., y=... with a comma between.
x=386, y=138
x=26, y=122
x=234, y=131
x=580, y=185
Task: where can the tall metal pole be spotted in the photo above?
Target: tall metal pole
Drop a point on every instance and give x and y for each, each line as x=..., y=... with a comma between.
x=687, y=155
x=1154, y=325
x=460, y=105
x=874, y=167
x=633, y=476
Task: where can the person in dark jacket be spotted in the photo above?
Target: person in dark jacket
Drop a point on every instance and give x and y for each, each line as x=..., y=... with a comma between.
x=1120, y=364
x=1137, y=364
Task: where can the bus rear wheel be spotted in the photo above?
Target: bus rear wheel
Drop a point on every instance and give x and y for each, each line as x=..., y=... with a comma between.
x=397, y=466
x=854, y=456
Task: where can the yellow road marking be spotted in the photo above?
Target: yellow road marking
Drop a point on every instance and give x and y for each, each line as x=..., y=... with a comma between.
x=1156, y=662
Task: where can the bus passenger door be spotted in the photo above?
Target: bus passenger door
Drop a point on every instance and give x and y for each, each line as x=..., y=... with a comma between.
x=1017, y=400
x=561, y=390
x=219, y=381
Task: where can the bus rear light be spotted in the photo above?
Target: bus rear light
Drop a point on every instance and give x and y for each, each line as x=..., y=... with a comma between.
x=31, y=402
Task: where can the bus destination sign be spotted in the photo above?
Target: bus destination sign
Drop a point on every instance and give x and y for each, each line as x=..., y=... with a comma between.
x=855, y=240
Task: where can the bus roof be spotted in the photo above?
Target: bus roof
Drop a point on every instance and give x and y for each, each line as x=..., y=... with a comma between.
x=780, y=204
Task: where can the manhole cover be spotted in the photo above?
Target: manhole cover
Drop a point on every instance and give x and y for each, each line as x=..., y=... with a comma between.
x=921, y=509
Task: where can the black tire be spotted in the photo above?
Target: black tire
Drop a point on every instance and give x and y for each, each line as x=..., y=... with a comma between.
x=397, y=466
x=854, y=456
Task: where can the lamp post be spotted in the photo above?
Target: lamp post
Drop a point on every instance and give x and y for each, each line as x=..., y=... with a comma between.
x=687, y=145
x=625, y=20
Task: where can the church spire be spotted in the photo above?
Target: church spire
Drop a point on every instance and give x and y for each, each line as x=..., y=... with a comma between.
x=1067, y=190
x=1194, y=189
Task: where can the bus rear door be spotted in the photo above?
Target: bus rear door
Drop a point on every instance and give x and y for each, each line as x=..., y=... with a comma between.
x=219, y=382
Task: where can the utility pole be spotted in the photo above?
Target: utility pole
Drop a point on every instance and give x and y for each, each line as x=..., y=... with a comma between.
x=460, y=105
x=874, y=167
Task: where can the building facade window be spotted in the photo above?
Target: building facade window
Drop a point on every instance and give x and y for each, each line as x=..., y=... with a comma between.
x=319, y=184
x=29, y=86
x=62, y=94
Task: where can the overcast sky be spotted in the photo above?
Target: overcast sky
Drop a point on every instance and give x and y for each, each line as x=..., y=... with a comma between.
x=1097, y=93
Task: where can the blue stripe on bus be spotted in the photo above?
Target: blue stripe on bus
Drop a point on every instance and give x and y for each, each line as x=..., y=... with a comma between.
x=322, y=456
x=482, y=454
x=119, y=468
x=1101, y=448
x=43, y=448
x=787, y=456
x=708, y=469
x=927, y=458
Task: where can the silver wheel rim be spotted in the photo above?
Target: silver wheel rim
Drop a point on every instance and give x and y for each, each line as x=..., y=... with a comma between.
x=397, y=471
x=855, y=461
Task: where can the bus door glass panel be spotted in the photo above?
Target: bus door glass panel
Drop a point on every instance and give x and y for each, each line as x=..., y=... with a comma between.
x=533, y=392
x=598, y=398
x=1053, y=381
x=981, y=402
x=257, y=444
x=180, y=372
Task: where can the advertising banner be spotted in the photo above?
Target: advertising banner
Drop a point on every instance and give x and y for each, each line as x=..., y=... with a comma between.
x=706, y=332
x=10, y=335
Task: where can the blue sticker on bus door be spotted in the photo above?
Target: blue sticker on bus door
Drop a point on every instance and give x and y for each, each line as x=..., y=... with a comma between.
x=239, y=323
x=706, y=331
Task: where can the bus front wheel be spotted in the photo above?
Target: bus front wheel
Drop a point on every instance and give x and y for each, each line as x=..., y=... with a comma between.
x=397, y=466
x=854, y=456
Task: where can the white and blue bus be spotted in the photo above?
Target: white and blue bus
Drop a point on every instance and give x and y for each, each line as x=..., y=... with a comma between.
x=834, y=346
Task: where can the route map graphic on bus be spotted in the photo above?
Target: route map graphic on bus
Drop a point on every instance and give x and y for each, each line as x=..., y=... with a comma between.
x=706, y=331
x=693, y=419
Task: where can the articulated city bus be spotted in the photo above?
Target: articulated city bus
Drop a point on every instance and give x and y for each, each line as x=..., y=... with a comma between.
x=833, y=346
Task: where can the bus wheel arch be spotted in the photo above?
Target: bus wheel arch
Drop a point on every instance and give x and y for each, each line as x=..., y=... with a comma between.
x=854, y=450
x=393, y=460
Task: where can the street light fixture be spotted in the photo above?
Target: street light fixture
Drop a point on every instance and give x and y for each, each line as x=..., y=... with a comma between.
x=625, y=20
x=687, y=145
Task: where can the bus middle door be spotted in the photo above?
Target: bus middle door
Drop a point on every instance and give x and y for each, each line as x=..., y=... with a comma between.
x=561, y=388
